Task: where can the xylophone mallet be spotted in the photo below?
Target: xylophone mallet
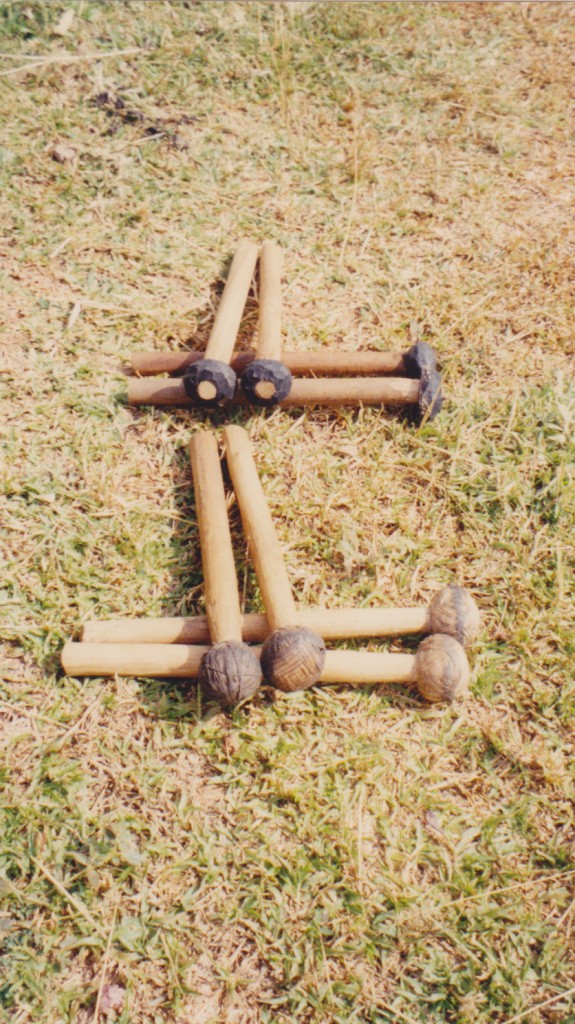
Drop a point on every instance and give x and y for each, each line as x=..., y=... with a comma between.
x=229, y=672
x=451, y=611
x=292, y=656
x=211, y=380
x=439, y=668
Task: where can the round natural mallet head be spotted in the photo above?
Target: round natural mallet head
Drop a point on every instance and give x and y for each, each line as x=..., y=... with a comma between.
x=210, y=382
x=292, y=658
x=454, y=612
x=442, y=668
x=266, y=382
x=229, y=673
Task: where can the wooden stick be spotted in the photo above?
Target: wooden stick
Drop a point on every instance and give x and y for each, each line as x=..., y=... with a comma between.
x=266, y=380
x=330, y=623
x=211, y=380
x=324, y=363
x=440, y=667
x=269, y=345
x=260, y=531
x=230, y=310
x=229, y=672
x=223, y=610
x=350, y=391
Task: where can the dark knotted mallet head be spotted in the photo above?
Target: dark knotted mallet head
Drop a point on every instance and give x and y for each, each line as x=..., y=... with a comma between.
x=292, y=658
x=442, y=669
x=453, y=611
x=267, y=381
x=210, y=383
x=420, y=363
x=230, y=673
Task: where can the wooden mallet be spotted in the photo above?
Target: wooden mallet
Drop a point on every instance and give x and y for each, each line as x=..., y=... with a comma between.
x=439, y=669
x=323, y=391
x=292, y=656
x=211, y=380
x=266, y=380
x=323, y=362
x=452, y=611
x=229, y=671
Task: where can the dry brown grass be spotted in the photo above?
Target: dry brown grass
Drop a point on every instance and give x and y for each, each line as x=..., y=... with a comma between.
x=341, y=855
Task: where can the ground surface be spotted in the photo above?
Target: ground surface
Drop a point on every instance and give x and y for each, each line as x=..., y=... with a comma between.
x=341, y=855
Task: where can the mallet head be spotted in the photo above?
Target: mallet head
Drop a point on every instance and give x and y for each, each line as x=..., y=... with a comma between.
x=266, y=382
x=454, y=612
x=442, y=668
x=209, y=382
x=430, y=395
x=420, y=364
x=292, y=658
x=419, y=359
x=229, y=673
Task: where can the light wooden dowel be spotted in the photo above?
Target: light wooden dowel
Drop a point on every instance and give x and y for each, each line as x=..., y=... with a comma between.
x=180, y=661
x=183, y=661
x=322, y=364
x=330, y=623
x=259, y=528
x=222, y=600
x=269, y=344
x=349, y=391
x=231, y=307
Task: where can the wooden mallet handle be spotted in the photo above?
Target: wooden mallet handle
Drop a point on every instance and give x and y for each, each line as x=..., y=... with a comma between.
x=440, y=669
x=452, y=611
x=351, y=391
x=223, y=610
x=212, y=380
x=260, y=531
x=323, y=363
x=292, y=656
x=229, y=671
x=269, y=344
x=267, y=380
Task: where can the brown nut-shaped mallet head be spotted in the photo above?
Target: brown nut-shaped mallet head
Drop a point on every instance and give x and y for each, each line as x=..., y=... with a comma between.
x=266, y=382
x=292, y=658
x=454, y=612
x=209, y=382
x=229, y=673
x=442, y=668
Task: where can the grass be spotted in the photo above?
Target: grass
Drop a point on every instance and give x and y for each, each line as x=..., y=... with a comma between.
x=338, y=855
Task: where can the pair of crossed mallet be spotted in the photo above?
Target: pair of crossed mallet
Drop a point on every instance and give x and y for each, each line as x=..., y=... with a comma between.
x=210, y=378
x=293, y=655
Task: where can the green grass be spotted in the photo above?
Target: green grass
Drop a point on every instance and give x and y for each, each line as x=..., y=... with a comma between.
x=338, y=855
